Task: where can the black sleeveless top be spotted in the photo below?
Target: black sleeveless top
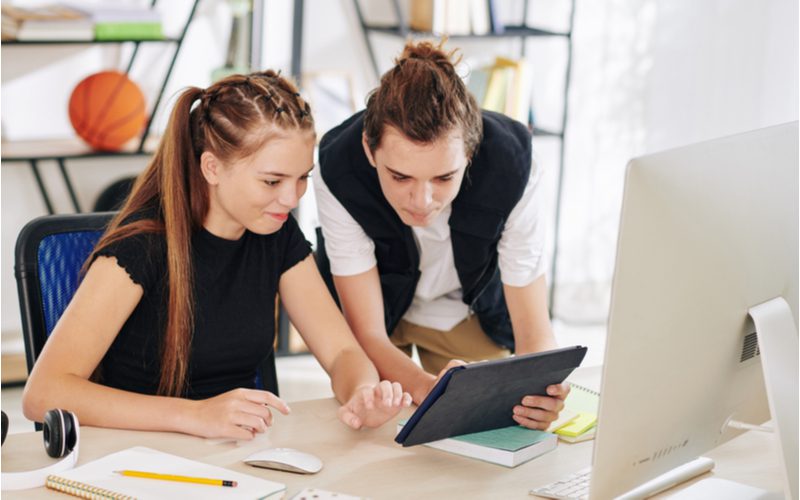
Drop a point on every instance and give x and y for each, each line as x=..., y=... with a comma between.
x=235, y=284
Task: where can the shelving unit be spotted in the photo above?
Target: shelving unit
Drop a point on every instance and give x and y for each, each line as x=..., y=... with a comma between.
x=522, y=32
x=32, y=152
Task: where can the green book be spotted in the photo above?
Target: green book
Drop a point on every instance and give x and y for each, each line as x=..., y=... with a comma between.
x=507, y=446
x=125, y=30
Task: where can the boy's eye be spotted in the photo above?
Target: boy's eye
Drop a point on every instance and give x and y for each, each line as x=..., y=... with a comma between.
x=272, y=183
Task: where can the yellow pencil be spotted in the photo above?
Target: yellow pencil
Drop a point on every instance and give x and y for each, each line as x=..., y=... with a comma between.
x=173, y=477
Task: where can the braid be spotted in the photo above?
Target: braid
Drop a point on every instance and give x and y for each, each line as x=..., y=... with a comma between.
x=241, y=103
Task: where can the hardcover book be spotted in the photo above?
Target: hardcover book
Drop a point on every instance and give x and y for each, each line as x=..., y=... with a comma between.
x=507, y=446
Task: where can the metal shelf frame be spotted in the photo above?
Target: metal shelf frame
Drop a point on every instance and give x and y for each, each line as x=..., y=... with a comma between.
x=61, y=159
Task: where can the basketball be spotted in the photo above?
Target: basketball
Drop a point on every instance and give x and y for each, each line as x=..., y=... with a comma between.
x=106, y=110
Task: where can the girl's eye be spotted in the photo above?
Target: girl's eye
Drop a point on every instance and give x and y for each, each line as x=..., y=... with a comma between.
x=445, y=178
x=399, y=178
x=272, y=183
x=305, y=177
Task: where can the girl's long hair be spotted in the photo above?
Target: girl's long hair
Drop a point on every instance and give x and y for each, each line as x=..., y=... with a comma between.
x=231, y=119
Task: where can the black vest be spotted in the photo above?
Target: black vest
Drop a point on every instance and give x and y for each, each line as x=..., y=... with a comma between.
x=493, y=185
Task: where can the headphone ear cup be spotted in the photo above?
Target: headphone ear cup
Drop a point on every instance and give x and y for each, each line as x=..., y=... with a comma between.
x=55, y=432
x=70, y=431
x=5, y=426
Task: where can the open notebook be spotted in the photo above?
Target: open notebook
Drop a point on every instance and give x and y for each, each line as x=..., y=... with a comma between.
x=97, y=479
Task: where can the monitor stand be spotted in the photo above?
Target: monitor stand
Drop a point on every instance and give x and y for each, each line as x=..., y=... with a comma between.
x=778, y=343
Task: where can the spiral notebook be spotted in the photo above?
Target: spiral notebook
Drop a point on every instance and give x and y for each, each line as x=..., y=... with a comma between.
x=97, y=480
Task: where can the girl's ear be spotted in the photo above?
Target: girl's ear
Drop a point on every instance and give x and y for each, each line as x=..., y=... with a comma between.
x=365, y=145
x=210, y=166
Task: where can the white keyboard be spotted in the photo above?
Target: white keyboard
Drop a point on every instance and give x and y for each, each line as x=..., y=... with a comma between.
x=572, y=487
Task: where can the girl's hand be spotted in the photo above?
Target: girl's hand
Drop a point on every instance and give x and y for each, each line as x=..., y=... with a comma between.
x=236, y=414
x=372, y=406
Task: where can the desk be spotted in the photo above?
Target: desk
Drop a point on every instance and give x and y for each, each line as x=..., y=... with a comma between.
x=369, y=463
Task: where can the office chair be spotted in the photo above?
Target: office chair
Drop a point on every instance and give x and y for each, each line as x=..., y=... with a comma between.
x=49, y=254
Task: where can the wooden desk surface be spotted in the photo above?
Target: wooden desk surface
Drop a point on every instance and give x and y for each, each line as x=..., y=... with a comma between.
x=369, y=463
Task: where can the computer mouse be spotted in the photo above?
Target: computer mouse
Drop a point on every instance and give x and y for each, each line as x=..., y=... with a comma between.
x=286, y=459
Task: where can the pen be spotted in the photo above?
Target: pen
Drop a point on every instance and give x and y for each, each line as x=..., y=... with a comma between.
x=173, y=477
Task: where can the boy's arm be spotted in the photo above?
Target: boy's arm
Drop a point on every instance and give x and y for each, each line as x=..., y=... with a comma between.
x=362, y=302
x=527, y=306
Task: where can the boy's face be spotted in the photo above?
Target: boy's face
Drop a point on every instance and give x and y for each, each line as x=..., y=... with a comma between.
x=419, y=180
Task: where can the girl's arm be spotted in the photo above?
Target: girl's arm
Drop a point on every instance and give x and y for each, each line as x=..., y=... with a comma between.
x=366, y=401
x=60, y=378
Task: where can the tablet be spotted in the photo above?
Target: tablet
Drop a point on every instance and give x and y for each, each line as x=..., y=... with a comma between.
x=481, y=396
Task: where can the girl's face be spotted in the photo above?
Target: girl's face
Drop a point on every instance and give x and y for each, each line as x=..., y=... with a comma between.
x=256, y=193
x=419, y=180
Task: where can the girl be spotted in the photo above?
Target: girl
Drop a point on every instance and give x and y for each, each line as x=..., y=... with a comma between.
x=176, y=310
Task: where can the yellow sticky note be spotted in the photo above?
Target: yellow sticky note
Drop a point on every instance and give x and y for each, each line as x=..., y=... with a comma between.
x=577, y=426
x=565, y=417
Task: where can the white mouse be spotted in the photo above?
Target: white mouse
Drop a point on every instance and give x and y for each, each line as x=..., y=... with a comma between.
x=285, y=459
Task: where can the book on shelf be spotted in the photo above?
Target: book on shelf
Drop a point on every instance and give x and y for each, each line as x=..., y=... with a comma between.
x=507, y=446
x=452, y=17
x=497, y=88
x=479, y=17
x=478, y=83
x=504, y=87
x=457, y=18
x=518, y=101
x=45, y=22
x=79, y=21
x=97, y=479
x=123, y=22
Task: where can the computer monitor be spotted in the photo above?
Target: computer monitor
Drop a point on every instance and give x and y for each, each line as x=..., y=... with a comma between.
x=707, y=232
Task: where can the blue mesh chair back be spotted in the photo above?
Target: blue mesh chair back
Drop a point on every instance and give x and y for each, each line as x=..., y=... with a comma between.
x=60, y=259
x=49, y=254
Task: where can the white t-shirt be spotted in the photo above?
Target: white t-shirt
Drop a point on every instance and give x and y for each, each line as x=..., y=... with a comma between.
x=437, y=300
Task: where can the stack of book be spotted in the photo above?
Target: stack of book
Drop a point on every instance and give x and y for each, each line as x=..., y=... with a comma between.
x=578, y=420
x=48, y=22
x=454, y=17
x=504, y=86
x=80, y=22
x=508, y=446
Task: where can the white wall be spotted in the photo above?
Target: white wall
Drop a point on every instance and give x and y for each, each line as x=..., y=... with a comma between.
x=647, y=75
x=652, y=75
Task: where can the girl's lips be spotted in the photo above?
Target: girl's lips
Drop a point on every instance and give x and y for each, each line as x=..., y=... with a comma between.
x=280, y=217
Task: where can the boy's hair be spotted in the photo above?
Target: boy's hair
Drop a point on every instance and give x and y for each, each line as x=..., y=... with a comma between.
x=423, y=97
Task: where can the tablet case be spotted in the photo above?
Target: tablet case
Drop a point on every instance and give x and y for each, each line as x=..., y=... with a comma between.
x=481, y=396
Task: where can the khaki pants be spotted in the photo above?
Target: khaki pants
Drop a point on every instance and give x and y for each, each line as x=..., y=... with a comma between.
x=466, y=341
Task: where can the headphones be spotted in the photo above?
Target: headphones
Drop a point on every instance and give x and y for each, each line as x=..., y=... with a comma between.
x=61, y=435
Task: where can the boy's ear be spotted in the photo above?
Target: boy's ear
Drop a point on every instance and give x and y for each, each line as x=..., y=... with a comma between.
x=210, y=166
x=367, y=152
